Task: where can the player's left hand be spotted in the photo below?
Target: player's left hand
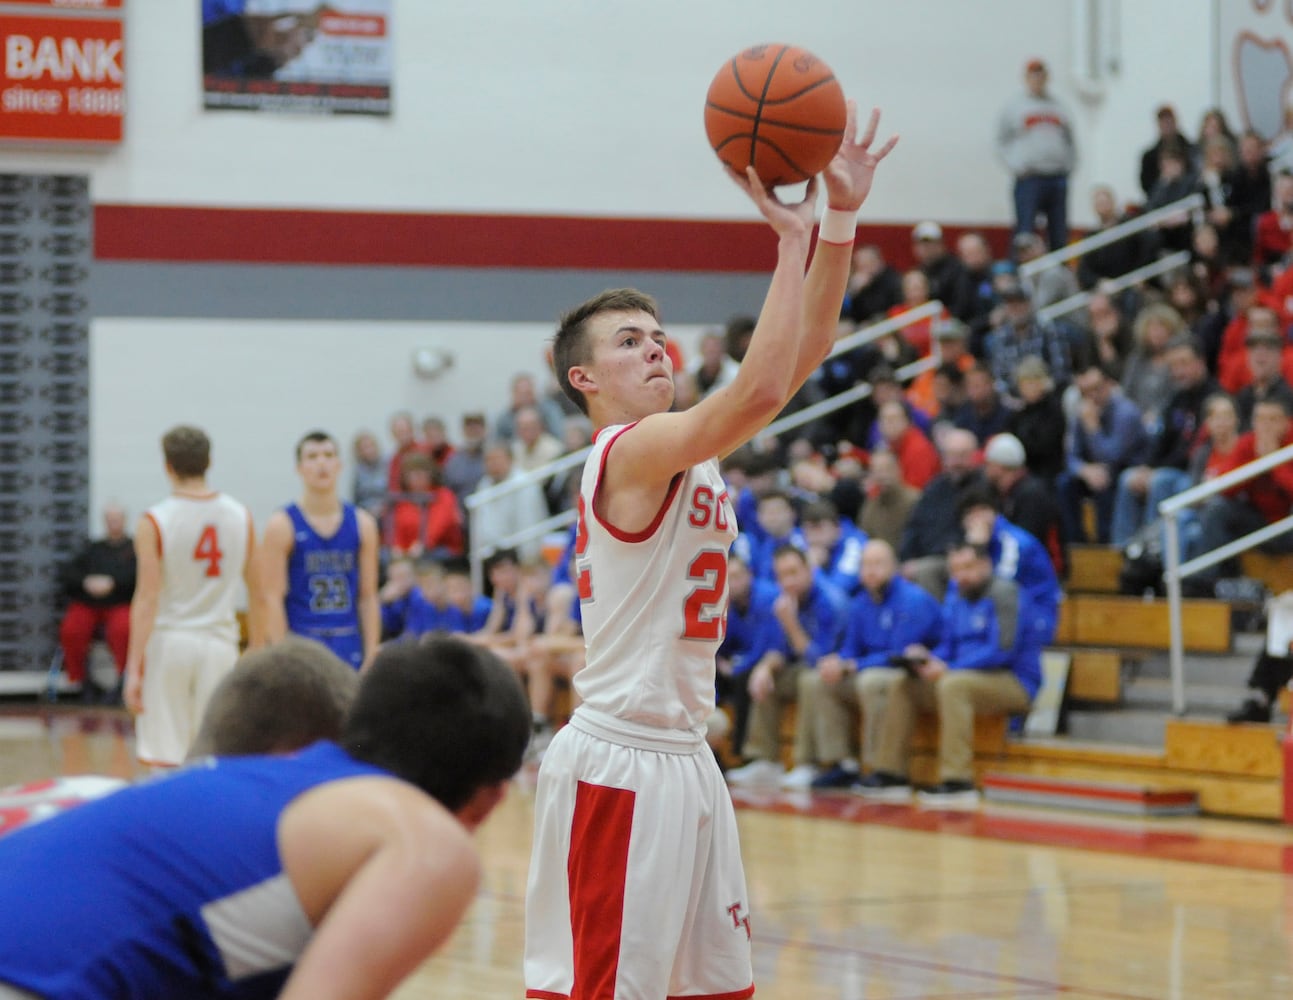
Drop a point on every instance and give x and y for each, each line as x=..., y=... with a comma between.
x=786, y=219
x=848, y=176
x=132, y=692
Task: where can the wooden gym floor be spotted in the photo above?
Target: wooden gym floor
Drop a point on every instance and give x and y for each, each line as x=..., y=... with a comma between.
x=857, y=901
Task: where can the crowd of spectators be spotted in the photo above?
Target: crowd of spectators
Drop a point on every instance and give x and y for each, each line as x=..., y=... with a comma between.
x=1055, y=424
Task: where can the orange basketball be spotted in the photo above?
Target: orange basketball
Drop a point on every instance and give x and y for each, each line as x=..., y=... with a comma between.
x=776, y=107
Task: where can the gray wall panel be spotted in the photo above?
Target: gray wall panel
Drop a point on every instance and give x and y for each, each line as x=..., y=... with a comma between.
x=391, y=293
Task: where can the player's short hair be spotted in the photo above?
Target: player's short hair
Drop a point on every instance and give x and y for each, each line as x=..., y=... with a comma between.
x=571, y=347
x=187, y=450
x=315, y=437
x=820, y=511
x=277, y=698
x=789, y=549
x=961, y=544
x=503, y=557
x=977, y=496
x=446, y=715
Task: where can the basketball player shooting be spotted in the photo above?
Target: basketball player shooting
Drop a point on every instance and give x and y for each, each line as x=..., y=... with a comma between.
x=636, y=887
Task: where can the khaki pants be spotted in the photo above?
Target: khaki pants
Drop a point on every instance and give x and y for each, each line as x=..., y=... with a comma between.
x=872, y=686
x=958, y=696
x=833, y=710
x=763, y=734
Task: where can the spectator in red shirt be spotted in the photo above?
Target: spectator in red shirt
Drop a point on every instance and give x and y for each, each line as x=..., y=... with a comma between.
x=1258, y=502
x=916, y=455
x=406, y=443
x=1274, y=234
x=427, y=519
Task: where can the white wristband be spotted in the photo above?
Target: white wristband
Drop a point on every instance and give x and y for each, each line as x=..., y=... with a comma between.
x=838, y=226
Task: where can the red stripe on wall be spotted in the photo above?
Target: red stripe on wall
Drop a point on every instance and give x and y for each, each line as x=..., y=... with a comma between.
x=599, y=855
x=281, y=236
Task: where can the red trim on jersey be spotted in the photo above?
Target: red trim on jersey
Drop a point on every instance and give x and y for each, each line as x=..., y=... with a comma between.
x=649, y=530
x=157, y=528
x=596, y=867
x=738, y=995
x=193, y=496
x=545, y=995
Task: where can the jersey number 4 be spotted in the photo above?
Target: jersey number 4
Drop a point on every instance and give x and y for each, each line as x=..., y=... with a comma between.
x=703, y=616
x=208, y=550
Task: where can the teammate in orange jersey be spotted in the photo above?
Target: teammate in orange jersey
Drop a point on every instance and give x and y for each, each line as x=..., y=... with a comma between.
x=636, y=885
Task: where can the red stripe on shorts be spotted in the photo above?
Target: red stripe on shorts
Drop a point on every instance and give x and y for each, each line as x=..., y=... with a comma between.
x=598, y=863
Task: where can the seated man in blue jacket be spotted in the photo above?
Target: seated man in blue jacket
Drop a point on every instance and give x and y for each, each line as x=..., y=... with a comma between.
x=1017, y=556
x=985, y=664
x=889, y=614
x=806, y=622
x=749, y=603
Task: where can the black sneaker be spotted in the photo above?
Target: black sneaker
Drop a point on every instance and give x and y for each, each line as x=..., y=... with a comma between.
x=1251, y=710
x=836, y=777
x=883, y=787
x=949, y=795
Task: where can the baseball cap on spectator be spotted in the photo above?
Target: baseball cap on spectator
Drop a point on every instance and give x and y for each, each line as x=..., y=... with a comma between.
x=1240, y=277
x=950, y=329
x=1031, y=367
x=881, y=374
x=1005, y=449
x=1013, y=292
x=1035, y=66
x=927, y=231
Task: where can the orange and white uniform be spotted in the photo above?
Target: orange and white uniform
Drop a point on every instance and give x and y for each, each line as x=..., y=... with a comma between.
x=204, y=543
x=636, y=887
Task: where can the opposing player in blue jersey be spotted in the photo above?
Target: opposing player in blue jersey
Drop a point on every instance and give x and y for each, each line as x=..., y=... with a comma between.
x=319, y=562
x=324, y=874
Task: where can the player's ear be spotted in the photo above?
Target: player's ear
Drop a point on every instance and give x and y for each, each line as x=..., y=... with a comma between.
x=581, y=379
x=481, y=804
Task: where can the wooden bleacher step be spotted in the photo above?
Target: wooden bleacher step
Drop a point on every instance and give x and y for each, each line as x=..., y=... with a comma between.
x=1138, y=623
x=1093, y=569
x=1096, y=796
x=1095, y=675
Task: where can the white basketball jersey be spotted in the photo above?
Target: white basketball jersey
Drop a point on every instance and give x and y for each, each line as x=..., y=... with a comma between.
x=204, y=551
x=654, y=603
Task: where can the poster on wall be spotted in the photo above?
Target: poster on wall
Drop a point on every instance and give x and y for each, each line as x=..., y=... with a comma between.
x=297, y=56
x=1256, y=62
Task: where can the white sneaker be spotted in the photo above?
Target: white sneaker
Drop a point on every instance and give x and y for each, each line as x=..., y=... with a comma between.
x=799, y=776
x=757, y=772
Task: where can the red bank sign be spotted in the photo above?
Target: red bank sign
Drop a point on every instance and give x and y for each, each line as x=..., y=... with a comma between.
x=62, y=78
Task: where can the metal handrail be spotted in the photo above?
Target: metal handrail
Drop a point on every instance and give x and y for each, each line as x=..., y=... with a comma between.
x=1174, y=570
x=1111, y=235
x=1152, y=270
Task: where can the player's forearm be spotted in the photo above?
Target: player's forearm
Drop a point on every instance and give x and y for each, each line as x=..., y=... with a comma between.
x=823, y=293
x=273, y=617
x=370, y=624
x=143, y=616
x=766, y=373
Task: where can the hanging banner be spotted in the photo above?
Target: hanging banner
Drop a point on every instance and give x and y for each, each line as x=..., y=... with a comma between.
x=280, y=55
x=62, y=78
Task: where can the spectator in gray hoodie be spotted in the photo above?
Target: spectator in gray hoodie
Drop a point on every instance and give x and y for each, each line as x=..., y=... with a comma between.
x=1035, y=141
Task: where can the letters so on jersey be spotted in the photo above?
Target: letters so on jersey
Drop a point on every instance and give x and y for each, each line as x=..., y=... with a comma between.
x=64, y=74
x=280, y=56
